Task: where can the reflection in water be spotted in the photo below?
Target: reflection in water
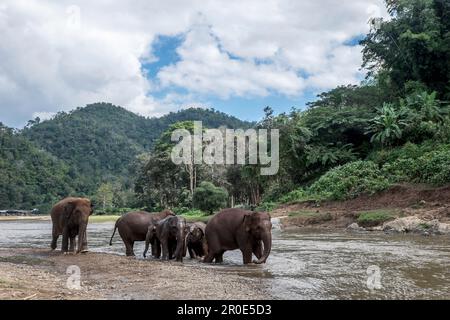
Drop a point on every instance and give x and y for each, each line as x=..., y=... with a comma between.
x=304, y=264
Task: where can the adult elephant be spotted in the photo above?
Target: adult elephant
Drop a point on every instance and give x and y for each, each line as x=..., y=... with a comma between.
x=70, y=218
x=196, y=240
x=133, y=226
x=233, y=229
x=170, y=235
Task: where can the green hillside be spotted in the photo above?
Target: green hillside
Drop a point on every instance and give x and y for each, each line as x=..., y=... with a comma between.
x=30, y=177
x=100, y=141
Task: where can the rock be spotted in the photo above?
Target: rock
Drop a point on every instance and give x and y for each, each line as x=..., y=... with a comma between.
x=416, y=225
x=376, y=228
x=355, y=227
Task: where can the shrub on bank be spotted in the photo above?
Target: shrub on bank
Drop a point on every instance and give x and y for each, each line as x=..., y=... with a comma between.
x=370, y=219
x=349, y=181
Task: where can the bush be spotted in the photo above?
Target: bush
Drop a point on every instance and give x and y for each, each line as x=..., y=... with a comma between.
x=267, y=206
x=402, y=170
x=208, y=197
x=194, y=213
x=295, y=196
x=370, y=219
x=435, y=167
x=425, y=163
x=349, y=181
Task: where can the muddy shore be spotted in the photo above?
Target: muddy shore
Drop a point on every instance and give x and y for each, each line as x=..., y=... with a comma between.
x=41, y=274
x=427, y=205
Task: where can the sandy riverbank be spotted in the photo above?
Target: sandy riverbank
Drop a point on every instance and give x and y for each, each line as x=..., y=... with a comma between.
x=41, y=274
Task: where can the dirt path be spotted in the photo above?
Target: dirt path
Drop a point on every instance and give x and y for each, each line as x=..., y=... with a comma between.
x=41, y=274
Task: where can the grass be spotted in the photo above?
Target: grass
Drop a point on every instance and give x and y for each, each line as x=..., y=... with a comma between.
x=103, y=218
x=314, y=216
x=13, y=218
x=196, y=216
x=375, y=217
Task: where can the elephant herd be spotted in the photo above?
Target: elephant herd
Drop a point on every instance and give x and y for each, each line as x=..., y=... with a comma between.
x=169, y=236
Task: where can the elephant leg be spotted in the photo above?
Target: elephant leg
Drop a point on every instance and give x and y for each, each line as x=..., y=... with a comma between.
x=129, y=248
x=191, y=252
x=65, y=240
x=246, y=255
x=209, y=257
x=258, y=249
x=55, y=237
x=165, y=250
x=157, y=249
x=173, y=249
x=72, y=244
x=219, y=257
x=84, y=245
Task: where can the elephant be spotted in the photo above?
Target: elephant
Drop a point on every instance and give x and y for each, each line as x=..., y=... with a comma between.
x=133, y=226
x=70, y=218
x=196, y=241
x=234, y=228
x=170, y=235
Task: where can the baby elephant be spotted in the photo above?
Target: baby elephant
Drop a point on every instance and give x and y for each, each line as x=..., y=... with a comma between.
x=196, y=240
x=168, y=234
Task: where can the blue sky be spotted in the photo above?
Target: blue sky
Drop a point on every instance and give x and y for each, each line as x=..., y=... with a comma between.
x=154, y=57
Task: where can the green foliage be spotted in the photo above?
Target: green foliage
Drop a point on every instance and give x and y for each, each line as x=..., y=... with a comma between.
x=388, y=125
x=193, y=212
x=373, y=218
x=435, y=167
x=426, y=163
x=100, y=141
x=297, y=195
x=31, y=177
x=412, y=46
x=208, y=197
x=349, y=181
x=267, y=206
x=195, y=215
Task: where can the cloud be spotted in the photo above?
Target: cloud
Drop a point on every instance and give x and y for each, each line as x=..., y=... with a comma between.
x=56, y=56
x=205, y=68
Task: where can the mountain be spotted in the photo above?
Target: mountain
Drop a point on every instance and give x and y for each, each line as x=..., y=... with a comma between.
x=30, y=177
x=100, y=141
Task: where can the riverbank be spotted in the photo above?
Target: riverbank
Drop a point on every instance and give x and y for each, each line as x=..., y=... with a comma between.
x=402, y=208
x=92, y=219
x=108, y=276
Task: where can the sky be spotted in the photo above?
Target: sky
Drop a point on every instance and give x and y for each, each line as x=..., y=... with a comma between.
x=154, y=57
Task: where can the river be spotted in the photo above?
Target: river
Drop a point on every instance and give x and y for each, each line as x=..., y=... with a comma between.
x=305, y=264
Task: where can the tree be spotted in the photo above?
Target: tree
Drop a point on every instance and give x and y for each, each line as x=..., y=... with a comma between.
x=208, y=197
x=105, y=195
x=387, y=127
x=414, y=45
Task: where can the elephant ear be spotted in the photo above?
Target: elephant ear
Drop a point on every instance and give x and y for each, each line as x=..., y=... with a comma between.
x=68, y=209
x=247, y=221
x=202, y=230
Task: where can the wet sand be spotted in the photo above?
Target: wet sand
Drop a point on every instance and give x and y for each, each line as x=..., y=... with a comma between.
x=41, y=274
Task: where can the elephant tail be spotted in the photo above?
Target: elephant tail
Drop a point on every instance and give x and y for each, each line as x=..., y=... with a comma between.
x=114, y=232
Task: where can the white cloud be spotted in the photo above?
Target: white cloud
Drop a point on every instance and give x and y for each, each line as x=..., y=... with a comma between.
x=204, y=68
x=56, y=56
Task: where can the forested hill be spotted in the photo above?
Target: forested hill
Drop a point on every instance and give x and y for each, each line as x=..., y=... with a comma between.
x=100, y=141
x=30, y=177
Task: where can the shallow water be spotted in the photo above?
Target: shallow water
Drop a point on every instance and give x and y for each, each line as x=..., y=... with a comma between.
x=305, y=264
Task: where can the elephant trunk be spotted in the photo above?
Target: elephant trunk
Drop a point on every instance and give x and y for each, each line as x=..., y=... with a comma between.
x=267, y=241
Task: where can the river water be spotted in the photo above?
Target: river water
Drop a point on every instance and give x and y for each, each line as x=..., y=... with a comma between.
x=305, y=264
